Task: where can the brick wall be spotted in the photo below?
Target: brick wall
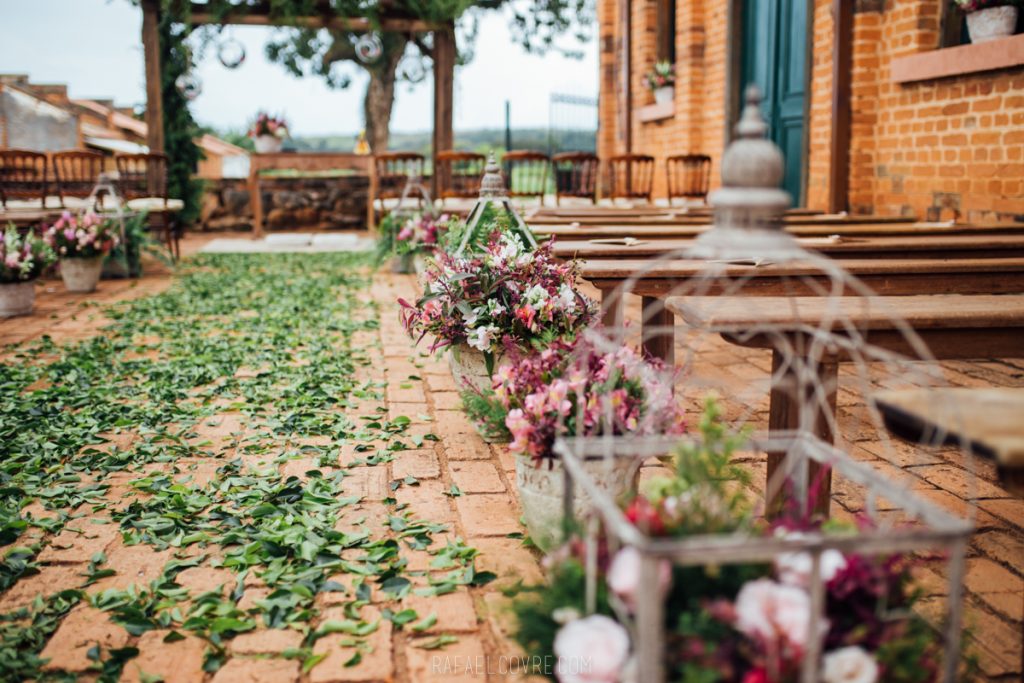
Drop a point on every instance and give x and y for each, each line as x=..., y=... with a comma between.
x=940, y=148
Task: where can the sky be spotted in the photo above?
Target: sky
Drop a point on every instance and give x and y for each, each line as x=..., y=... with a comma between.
x=94, y=47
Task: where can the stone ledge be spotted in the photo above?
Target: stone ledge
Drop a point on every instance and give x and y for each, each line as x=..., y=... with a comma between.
x=656, y=112
x=956, y=61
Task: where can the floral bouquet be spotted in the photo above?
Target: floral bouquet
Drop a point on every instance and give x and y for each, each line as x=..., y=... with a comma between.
x=87, y=237
x=661, y=75
x=409, y=235
x=265, y=124
x=741, y=623
x=22, y=258
x=506, y=296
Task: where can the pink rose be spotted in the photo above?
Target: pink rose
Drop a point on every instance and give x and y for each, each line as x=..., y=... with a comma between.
x=774, y=612
x=624, y=576
x=849, y=665
x=591, y=650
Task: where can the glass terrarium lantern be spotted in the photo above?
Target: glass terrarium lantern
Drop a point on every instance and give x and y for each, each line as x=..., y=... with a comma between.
x=493, y=211
x=793, y=347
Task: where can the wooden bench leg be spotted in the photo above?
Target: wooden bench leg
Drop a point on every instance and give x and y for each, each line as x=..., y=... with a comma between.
x=658, y=331
x=612, y=309
x=786, y=400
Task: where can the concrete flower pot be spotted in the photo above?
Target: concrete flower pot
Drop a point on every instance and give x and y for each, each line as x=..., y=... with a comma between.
x=81, y=275
x=541, y=489
x=992, y=23
x=267, y=144
x=403, y=264
x=17, y=298
x=665, y=95
x=469, y=367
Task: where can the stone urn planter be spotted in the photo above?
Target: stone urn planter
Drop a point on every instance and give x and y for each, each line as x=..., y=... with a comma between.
x=665, y=95
x=541, y=489
x=469, y=367
x=267, y=144
x=991, y=23
x=403, y=264
x=81, y=275
x=419, y=263
x=17, y=298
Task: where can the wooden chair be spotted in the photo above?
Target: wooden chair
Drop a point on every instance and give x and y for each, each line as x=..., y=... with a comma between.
x=458, y=174
x=576, y=175
x=142, y=179
x=689, y=176
x=526, y=173
x=76, y=173
x=23, y=178
x=631, y=176
x=393, y=170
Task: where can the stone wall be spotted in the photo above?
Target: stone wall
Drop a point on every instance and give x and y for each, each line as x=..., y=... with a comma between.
x=288, y=204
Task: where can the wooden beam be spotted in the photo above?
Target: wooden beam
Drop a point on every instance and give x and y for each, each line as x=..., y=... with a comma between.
x=444, y=93
x=842, y=75
x=154, y=87
x=353, y=24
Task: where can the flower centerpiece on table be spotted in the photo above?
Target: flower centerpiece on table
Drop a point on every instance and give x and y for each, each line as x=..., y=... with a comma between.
x=741, y=623
x=478, y=305
x=268, y=132
x=585, y=387
x=81, y=243
x=406, y=236
x=661, y=80
x=22, y=260
x=990, y=19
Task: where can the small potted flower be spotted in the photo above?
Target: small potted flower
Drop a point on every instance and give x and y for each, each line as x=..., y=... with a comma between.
x=581, y=388
x=990, y=19
x=22, y=260
x=476, y=306
x=81, y=245
x=268, y=133
x=661, y=80
x=405, y=238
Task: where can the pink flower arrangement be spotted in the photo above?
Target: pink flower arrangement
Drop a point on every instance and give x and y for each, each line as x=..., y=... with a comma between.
x=662, y=75
x=506, y=296
x=578, y=389
x=22, y=258
x=265, y=124
x=419, y=234
x=85, y=237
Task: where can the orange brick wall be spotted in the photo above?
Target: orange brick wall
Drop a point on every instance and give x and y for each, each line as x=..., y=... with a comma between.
x=944, y=147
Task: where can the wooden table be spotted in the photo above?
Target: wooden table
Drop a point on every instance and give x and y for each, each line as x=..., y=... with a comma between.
x=642, y=210
x=953, y=327
x=899, y=246
x=310, y=163
x=627, y=218
x=986, y=422
x=670, y=231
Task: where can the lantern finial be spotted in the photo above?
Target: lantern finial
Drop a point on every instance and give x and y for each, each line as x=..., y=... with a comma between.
x=493, y=182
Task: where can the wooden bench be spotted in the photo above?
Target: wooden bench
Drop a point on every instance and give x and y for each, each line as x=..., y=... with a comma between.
x=680, y=218
x=953, y=327
x=845, y=230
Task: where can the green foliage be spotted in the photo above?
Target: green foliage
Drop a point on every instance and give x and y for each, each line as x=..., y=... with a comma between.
x=486, y=411
x=180, y=128
x=125, y=259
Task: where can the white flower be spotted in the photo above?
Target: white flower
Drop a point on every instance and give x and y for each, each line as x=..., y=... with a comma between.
x=472, y=317
x=795, y=568
x=536, y=294
x=770, y=611
x=482, y=337
x=567, y=297
x=849, y=665
x=624, y=576
x=591, y=650
x=495, y=308
x=563, y=615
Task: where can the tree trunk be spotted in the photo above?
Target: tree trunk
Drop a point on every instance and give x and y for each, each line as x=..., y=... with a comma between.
x=380, y=93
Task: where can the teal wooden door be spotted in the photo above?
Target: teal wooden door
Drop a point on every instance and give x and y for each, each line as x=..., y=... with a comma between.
x=775, y=57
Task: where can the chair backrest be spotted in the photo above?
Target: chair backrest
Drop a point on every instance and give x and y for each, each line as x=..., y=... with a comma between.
x=76, y=172
x=458, y=173
x=689, y=176
x=631, y=176
x=393, y=170
x=526, y=173
x=576, y=174
x=142, y=175
x=22, y=175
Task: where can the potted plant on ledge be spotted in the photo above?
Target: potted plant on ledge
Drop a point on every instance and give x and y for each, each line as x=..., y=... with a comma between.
x=22, y=260
x=661, y=80
x=478, y=305
x=81, y=246
x=990, y=19
x=268, y=133
x=405, y=238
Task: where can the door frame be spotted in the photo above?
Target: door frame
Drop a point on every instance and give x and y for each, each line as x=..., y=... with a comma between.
x=734, y=79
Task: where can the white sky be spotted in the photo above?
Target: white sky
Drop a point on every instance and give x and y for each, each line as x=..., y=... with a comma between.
x=94, y=47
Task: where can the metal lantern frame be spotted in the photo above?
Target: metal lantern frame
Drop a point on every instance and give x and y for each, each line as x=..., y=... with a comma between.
x=493, y=193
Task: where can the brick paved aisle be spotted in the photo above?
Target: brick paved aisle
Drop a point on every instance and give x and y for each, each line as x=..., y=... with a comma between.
x=448, y=476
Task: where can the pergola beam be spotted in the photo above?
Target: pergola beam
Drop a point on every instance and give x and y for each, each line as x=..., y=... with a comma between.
x=151, y=52
x=262, y=14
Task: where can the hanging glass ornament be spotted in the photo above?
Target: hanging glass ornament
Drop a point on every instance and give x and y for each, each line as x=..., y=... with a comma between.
x=412, y=70
x=189, y=85
x=231, y=53
x=369, y=47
